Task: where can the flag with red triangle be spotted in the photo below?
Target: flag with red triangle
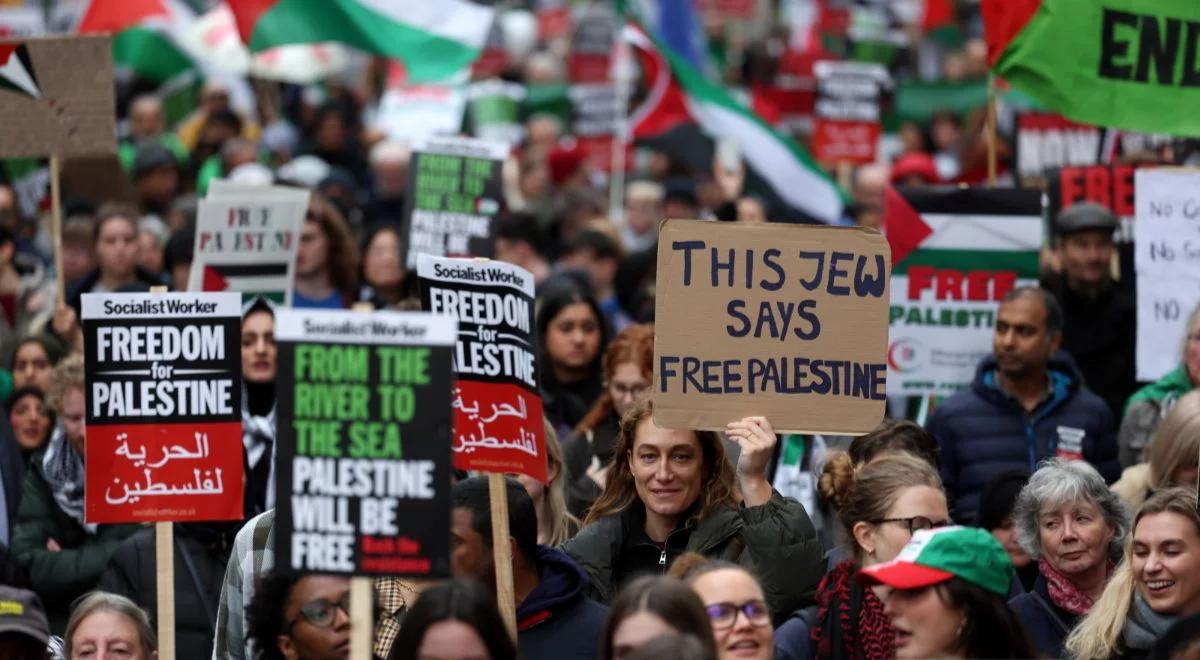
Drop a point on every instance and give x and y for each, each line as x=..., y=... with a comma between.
x=16, y=70
x=956, y=252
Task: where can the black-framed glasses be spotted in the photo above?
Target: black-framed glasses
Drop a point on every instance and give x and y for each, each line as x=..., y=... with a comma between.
x=321, y=612
x=724, y=615
x=916, y=523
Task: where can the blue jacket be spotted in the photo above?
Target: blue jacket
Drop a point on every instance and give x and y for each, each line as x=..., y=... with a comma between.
x=1046, y=624
x=556, y=620
x=982, y=431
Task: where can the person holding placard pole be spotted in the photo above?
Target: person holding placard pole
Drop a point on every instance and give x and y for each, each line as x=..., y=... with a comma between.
x=673, y=490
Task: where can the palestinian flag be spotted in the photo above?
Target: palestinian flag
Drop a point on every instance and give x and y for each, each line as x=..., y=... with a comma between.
x=956, y=252
x=268, y=280
x=679, y=94
x=16, y=70
x=1130, y=64
x=145, y=35
x=436, y=39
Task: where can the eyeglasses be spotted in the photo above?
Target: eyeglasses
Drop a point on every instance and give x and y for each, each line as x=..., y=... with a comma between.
x=916, y=523
x=321, y=612
x=724, y=615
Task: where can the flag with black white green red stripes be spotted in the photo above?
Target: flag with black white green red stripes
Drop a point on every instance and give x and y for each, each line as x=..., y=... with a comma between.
x=955, y=253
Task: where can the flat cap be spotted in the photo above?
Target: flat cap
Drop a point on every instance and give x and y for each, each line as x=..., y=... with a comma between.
x=1084, y=216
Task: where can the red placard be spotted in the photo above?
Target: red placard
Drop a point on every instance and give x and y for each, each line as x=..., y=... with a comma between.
x=164, y=472
x=498, y=428
x=840, y=141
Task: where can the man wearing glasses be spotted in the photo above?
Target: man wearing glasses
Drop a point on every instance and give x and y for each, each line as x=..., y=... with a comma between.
x=1027, y=403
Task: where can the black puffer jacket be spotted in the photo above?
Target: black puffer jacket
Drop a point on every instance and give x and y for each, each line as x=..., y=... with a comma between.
x=775, y=541
x=201, y=554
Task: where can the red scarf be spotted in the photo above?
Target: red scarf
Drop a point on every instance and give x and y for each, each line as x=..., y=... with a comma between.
x=1063, y=593
x=872, y=631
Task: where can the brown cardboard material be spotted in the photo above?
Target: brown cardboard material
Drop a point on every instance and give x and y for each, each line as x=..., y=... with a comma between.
x=704, y=331
x=57, y=97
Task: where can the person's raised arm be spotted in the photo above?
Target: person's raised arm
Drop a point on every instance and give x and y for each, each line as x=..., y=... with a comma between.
x=756, y=437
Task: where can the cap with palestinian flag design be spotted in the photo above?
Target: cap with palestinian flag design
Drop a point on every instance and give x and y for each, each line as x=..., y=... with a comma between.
x=936, y=555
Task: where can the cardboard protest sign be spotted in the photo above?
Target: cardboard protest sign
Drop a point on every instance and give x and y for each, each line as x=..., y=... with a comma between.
x=846, y=113
x=497, y=406
x=363, y=458
x=1167, y=258
x=57, y=97
x=246, y=240
x=164, y=407
x=455, y=189
x=957, y=252
x=784, y=321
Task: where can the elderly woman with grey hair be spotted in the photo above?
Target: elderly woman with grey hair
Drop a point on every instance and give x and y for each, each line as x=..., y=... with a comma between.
x=1075, y=528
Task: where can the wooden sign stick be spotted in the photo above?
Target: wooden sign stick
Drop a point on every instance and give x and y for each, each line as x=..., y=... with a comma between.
x=502, y=552
x=164, y=553
x=56, y=229
x=164, y=532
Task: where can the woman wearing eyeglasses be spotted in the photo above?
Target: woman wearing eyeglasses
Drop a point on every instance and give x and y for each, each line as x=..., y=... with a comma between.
x=628, y=371
x=735, y=604
x=300, y=618
x=1075, y=528
x=880, y=506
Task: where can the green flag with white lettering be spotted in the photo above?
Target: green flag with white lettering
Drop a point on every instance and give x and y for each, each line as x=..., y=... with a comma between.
x=1132, y=64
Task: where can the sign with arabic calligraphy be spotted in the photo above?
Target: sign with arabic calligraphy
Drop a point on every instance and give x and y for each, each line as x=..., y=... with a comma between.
x=164, y=407
x=785, y=321
x=362, y=466
x=497, y=407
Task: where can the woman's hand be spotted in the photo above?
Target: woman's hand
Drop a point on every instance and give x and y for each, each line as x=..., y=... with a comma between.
x=756, y=437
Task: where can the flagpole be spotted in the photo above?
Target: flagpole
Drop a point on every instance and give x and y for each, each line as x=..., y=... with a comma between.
x=619, y=70
x=990, y=138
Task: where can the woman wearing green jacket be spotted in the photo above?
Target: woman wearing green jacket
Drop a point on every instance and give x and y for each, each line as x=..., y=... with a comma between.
x=671, y=491
x=65, y=557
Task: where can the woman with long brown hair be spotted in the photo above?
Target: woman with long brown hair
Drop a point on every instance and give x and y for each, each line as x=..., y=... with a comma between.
x=670, y=491
x=327, y=261
x=628, y=372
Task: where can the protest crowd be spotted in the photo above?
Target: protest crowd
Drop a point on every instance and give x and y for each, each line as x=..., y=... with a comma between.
x=986, y=444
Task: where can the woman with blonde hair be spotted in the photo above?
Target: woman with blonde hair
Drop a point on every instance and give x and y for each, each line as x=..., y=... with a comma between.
x=1171, y=458
x=673, y=490
x=555, y=523
x=1156, y=584
x=880, y=506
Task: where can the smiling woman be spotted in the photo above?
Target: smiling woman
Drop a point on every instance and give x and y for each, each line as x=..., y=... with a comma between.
x=670, y=491
x=1158, y=583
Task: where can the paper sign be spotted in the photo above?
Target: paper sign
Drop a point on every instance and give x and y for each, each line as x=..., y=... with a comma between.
x=408, y=113
x=164, y=407
x=363, y=452
x=594, y=118
x=591, y=45
x=497, y=406
x=1167, y=259
x=846, y=115
x=455, y=190
x=784, y=321
x=57, y=97
x=246, y=240
x=957, y=252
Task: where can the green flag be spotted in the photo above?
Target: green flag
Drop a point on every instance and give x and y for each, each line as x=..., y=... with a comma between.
x=1132, y=64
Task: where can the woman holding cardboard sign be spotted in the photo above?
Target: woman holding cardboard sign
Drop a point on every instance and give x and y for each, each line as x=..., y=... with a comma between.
x=670, y=491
